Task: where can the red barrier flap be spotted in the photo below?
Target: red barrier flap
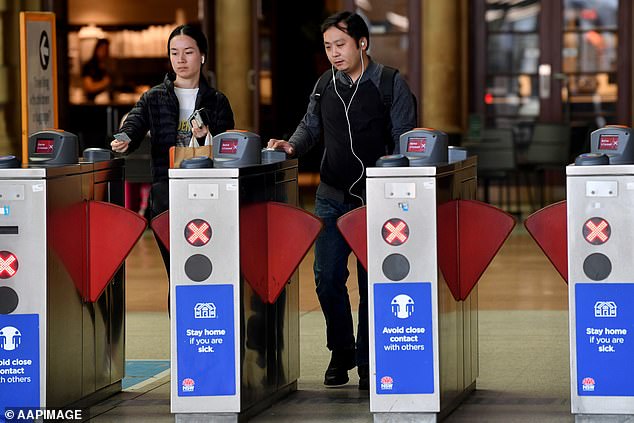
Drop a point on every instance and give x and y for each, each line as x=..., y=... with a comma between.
x=274, y=238
x=66, y=233
x=449, y=246
x=549, y=228
x=353, y=226
x=161, y=227
x=470, y=233
x=112, y=233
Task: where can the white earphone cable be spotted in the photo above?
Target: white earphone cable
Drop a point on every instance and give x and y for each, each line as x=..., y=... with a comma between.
x=346, y=108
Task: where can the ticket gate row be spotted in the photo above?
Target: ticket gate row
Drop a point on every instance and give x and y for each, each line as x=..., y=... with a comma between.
x=234, y=306
x=236, y=240
x=63, y=239
x=588, y=239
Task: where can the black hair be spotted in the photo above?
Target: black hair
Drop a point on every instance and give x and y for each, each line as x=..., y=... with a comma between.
x=190, y=31
x=100, y=42
x=354, y=26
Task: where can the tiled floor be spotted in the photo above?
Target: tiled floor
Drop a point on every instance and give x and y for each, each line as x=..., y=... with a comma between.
x=523, y=342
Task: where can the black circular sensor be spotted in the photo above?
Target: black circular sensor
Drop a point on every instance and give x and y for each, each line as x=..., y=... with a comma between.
x=198, y=162
x=597, y=266
x=8, y=300
x=592, y=159
x=198, y=267
x=394, y=160
x=7, y=162
x=395, y=267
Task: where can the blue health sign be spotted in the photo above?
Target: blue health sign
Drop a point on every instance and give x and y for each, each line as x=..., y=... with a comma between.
x=604, y=327
x=19, y=361
x=205, y=340
x=403, y=338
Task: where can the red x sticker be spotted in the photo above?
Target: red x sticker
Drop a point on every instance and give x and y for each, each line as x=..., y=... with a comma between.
x=596, y=231
x=8, y=264
x=395, y=232
x=198, y=232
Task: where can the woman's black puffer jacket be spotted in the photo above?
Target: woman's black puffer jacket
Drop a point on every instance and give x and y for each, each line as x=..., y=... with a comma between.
x=158, y=112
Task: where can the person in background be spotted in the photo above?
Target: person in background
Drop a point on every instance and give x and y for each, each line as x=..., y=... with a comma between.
x=95, y=78
x=165, y=110
x=358, y=127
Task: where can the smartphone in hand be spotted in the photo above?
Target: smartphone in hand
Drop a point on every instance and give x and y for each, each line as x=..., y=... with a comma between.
x=198, y=118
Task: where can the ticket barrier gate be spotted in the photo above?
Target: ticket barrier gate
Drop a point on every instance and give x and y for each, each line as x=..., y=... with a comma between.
x=420, y=219
x=62, y=242
x=588, y=239
x=235, y=241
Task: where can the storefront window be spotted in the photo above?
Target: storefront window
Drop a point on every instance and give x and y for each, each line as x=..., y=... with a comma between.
x=513, y=54
x=389, y=23
x=589, y=59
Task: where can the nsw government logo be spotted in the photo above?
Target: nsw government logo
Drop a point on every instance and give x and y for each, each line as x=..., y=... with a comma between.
x=587, y=384
x=386, y=383
x=188, y=385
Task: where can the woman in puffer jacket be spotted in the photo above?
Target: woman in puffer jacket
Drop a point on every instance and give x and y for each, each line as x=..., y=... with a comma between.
x=166, y=110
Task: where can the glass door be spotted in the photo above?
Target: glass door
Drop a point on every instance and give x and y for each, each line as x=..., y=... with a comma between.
x=565, y=61
x=512, y=66
x=394, y=36
x=590, y=65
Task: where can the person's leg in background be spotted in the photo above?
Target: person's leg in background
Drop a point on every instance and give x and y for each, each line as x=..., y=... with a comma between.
x=331, y=274
x=144, y=198
x=159, y=202
x=362, y=329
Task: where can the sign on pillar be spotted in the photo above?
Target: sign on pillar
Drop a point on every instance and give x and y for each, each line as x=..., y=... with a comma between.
x=403, y=338
x=205, y=337
x=38, y=74
x=605, y=347
x=20, y=360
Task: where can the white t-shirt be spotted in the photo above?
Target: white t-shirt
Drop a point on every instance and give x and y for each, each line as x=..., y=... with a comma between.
x=187, y=104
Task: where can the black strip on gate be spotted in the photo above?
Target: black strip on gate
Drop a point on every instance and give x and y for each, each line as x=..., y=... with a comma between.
x=8, y=230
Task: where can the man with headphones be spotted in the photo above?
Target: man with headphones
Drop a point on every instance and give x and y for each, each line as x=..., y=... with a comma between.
x=358, y=128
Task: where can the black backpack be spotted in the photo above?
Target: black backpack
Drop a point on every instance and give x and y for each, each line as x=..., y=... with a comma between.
x=386, y=87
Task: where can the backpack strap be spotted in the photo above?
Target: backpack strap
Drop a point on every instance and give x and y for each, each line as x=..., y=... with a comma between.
x=322, y=83
x=386, y=85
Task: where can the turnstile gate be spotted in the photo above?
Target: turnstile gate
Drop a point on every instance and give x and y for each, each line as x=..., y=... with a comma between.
x=232, y=352
x=56, y=346
x=588, y=238
x=601, y=291
x=423, y=343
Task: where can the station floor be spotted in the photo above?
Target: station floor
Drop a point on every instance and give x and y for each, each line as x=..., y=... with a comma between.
x=523, y=341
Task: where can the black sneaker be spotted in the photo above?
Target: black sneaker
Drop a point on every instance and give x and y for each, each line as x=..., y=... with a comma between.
x=340, y=362
x=364, y=377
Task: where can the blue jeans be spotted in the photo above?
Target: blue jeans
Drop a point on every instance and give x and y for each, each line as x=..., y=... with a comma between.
x=331, y=274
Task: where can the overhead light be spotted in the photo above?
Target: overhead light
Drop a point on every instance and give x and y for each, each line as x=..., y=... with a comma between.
x=397, y=20
x=91, y=31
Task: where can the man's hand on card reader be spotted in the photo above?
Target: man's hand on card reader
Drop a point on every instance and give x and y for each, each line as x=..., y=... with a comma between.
x=281, y=145
x=120, y=143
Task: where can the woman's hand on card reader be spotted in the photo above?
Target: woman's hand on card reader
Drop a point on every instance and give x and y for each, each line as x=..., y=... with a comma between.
x=120, y=143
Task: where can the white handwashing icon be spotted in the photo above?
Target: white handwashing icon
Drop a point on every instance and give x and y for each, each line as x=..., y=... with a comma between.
x=402, y=306
x=205, y=311
x=10, y=338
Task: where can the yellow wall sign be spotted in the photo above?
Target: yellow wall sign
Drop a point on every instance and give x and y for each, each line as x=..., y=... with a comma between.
x=38, y=74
